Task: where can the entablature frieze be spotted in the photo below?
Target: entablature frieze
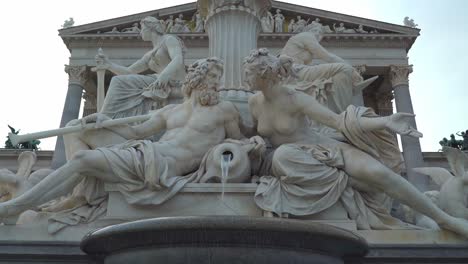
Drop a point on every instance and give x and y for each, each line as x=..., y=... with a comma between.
x=201, y=40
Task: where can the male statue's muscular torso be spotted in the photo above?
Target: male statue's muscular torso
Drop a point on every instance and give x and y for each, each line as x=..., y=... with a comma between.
x=206, y=124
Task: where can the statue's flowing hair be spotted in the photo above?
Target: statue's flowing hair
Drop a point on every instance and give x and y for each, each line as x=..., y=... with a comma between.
x=269, y=66
x=197, y=72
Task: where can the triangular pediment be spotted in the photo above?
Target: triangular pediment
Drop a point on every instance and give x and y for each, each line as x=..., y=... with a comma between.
x=122, y=25
x=328, y=18
x=126, y=22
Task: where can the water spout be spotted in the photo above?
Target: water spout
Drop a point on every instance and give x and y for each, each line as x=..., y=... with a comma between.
x=225, y=164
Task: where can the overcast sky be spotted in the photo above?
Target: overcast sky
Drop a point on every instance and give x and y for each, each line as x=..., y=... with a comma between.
x=34, y=84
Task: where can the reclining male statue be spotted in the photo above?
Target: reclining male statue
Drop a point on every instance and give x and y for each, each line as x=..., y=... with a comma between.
x=149, y=172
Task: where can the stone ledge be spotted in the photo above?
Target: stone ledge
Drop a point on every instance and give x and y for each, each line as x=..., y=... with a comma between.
x=37, y=234
x=65, y=253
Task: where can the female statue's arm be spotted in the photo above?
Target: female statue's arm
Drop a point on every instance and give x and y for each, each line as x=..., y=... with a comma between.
x=137, y=67
x=398, y=122
x=315, y=111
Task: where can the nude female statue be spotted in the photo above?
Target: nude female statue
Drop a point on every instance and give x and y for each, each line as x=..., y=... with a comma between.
x=281, y=114
x=149, y=172
x=131, y=93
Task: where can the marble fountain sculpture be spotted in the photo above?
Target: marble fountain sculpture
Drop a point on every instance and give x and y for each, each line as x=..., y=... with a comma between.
x=251, y=149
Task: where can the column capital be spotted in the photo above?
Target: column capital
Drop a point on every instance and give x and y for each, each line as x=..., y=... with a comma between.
x=208, y=8
x=76, y=74
x=399, y=74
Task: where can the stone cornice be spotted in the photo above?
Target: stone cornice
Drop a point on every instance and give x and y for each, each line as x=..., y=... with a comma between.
x=335, y=40
x=287, y=7
x=399, y=74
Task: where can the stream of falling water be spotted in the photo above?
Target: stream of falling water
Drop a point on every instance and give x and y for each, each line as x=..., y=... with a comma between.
x=225, y=164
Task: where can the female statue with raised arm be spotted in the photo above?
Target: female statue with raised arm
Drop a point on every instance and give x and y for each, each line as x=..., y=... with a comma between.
x=312, y=171
x=131, y=93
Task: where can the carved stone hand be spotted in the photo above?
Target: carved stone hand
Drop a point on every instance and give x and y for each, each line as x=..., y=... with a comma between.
x=401, y=124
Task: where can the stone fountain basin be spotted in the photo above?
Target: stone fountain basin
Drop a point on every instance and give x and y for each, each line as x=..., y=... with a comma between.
x=223, y=239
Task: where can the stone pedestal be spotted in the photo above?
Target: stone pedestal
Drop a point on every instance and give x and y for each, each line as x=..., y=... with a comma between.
x=233, y=28
x=71, y=109
x=411, y=146
x=224, y=239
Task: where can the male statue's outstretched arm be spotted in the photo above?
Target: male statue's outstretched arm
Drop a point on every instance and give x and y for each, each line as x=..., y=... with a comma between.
x=152, y=126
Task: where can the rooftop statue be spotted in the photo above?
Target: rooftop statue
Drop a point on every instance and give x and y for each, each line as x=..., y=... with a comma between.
x=279, y=19
x=68, y=23
x=292, y=25
x=360, y=29
x=131, y=93
x=179, y=25
x=113, y=31
x=149, y=172
x=346, y=81
x=342, y=29
x=409, y=22
x=169, y=23
x=300, y=24
x=312, y=170
x=133, y=29
x=464, y=143
x=267, y=22
x=317, y=23
x=199, y=23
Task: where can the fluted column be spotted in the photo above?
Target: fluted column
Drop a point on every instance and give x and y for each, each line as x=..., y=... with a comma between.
x=411, y=146
x=71, y=109
x=233, y=30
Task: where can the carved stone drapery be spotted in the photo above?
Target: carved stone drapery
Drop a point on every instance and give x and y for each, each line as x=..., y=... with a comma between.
x=399, y=74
